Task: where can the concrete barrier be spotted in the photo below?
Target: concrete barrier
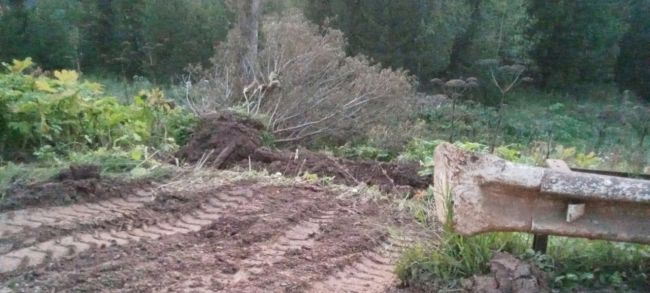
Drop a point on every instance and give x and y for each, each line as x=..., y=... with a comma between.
x=483, y=193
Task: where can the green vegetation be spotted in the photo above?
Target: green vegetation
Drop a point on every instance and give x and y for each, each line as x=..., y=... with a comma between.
x=121, y=83
x=570, y=263
x=57, y=121
x=125, y=38
x=633, y=65
x=50, y=116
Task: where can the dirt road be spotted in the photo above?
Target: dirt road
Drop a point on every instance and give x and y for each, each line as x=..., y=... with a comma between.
x=217, y=232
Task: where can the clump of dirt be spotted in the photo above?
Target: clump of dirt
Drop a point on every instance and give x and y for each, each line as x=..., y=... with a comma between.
x=79, y=172
x=226, y=140
x=64, y=189
x=222, y=140
x=388, y=176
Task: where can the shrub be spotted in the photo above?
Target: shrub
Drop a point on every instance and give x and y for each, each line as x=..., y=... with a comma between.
x=322, y=95
x=65, y=114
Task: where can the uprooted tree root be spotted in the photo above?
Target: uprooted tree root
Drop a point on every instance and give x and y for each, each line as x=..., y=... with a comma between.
x=226, y=140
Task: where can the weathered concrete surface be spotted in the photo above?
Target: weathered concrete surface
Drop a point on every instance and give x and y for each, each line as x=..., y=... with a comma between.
x=485, y=194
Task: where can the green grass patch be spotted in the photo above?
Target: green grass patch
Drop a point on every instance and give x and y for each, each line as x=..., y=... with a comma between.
x=12, y=174
x=571, y=263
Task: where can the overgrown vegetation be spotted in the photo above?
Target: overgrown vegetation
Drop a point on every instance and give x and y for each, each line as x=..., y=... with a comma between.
x=121, y=83
x=60, y=120
x=321, y=95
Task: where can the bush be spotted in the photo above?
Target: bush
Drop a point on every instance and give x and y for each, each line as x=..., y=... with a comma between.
x=323, y=95
x=63, y=114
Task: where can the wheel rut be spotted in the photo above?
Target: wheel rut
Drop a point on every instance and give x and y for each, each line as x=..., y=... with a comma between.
x=373, y=271
x=301, y=236
x=237, y=237
x=67, y=217
x=211, y=209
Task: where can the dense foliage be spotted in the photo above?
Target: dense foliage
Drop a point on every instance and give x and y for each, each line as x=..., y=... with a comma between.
x=123, y=37
x=633, y=68
x=567, y=44
x=576, y=41
x=61, y=114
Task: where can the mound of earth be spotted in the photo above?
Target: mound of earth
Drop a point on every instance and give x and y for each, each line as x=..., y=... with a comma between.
x=222, y=140
x=388, y=176
x=78, y=184
x=226, y=140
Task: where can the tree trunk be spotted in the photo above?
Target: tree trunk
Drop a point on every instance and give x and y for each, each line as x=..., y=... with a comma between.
x=249, y=15
x=17, y=4
x=103, y=33
x=463, y=41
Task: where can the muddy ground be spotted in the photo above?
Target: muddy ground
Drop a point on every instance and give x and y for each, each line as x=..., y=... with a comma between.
x=226, y=140
x=78, y=184
x=215, y=232
x=210, y=230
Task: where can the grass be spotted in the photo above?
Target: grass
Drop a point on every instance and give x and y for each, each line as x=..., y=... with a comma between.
x=571, y=263
x=454, y=258
x=114, y=163
x=539, y=122
x=12, y=174
x=584, y=263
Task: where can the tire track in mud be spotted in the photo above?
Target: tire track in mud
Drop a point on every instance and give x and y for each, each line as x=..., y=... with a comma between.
x=244, y=236
x=209, y=210
x=301, y=236
x=68, y=217
x=373, y=271
x=294, y=226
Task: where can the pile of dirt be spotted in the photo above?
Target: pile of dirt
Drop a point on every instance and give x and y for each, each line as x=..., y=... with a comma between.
x=225, y=140
x=78, y=184
x=79, y=172
x=388, y=176
x=221, y=140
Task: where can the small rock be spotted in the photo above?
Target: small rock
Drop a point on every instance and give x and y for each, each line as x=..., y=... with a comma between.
x=526, y=285
x=485, y=284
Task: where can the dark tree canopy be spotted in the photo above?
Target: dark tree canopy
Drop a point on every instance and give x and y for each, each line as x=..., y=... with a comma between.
x=154, y=38
x=575, y=41
x=565, y=43
x=633, y=67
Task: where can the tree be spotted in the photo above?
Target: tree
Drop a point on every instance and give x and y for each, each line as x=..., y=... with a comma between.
x=169, y=47
x=463, y=41
x=633, y=66
x=44, y=30
x=249, y=14
x=575, y=40
x=411, y=34
x=102, y=34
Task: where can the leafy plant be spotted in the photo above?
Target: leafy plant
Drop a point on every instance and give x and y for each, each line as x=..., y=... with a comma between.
x=364, y=152
x=62, y=114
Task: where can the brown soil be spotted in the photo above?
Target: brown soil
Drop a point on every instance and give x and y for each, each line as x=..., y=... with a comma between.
x=247, y=236
x=227, y=140
x=222, y=140
x=70, y=186
x=79, y=172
